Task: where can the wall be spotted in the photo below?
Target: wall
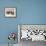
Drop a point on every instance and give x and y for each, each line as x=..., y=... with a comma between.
x=8, y=25
x=33, y=12
x=28, y=12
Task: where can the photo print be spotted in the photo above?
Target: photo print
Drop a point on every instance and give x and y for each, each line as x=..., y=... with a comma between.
x=10, y=12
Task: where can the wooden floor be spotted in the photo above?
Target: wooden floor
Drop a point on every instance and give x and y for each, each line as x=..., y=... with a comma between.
x=30, y=43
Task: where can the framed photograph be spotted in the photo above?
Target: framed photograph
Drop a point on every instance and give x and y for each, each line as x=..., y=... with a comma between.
x=10, y=12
